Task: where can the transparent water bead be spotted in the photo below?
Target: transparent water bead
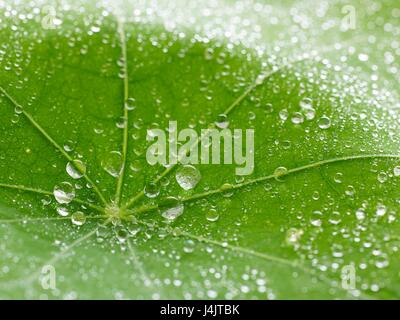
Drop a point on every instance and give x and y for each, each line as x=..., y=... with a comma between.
x=62, y=211
x=76, y=169
x=187, y=177
x=212, y=215
x=280, y=172
x=171, y=208
x=152, y=189
x=293, y=236
x=130, y=104
x=64, y=192
x=78, y=218
x=324, y=122
x=222, y=121
x=113, y=164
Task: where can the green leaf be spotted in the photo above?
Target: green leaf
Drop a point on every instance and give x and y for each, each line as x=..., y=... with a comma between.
x=81, y=83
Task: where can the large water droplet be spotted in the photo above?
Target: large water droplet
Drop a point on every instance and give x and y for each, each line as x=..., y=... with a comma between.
x=64, y=192
x=76, y=169
x=188, y=177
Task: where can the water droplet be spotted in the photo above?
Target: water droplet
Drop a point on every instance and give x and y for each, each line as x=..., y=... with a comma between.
x=64, y=192
x=135, y=166
x=152, y=189
x=283, y=114
x=113, y=164
x=279, y=172
x=188, y=177
x=396, y=171
x=76, y=169
x=316, y=222
x=78, y=218
x=62, y=211
x=382, y=177
x=18, y=109
x=212, y=215
x=338, y=177
x=324, y=122
x=360, y=214
x=293, y=236
x=121, y=234
x=227, y=190
x=307, y=108
x=315, y=195
x=268, y=108
x=130, y=104
x=363, y=57
x=189, y=245
x=171, y=208
x=297, y=118
x=222, y=121
x=380, y=210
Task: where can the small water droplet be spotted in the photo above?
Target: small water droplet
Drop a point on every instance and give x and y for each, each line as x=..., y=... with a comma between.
x=293, y=236
x=279, y=172
x=360, y=214
x=396, y=171
x=152, y=189
x=64, y=192
x=171, y=208
x=78, y=218
x=212, y=215
x=188, y=177
x=113, y=164
x=381, y=210
x=324, y=122
x=222, y=121
x=297, y=118
x=130, y=104
x=338, y=177
x=382, y=177
x=62, y=211
x=189, y=245
x=283, y=114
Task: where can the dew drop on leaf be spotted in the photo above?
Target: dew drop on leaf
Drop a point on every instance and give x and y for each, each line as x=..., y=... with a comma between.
x=62, y=211
x=187, y=177
x=222, y=121
x=78, y=218
x=189, y=246
x=382, y=177
x=293, y=236
x=171, y=208
x=64, y=192
x=130, y=104
x=280, y=171
x=76, y=169
x=324, y=122
x=113, y=164
x=152, y=189
x=297, y=118
x=212, y=215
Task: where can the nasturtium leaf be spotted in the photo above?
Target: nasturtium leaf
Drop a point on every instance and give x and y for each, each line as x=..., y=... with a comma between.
x=84, y=215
